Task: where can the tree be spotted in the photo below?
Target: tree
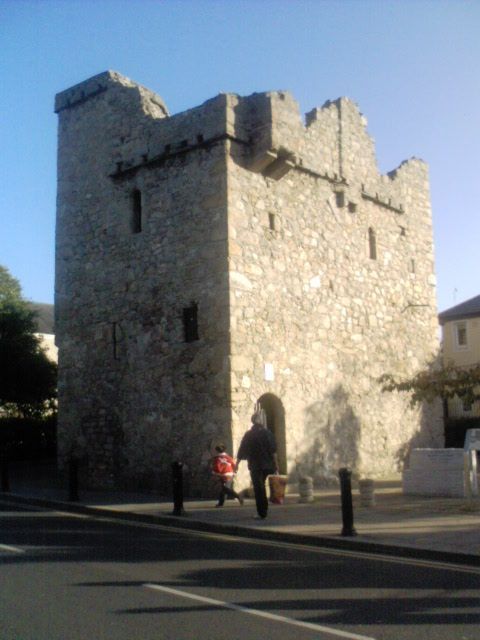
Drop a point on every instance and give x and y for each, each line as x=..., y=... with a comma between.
x=10, y=290
x=27, y=376
x=434, y=382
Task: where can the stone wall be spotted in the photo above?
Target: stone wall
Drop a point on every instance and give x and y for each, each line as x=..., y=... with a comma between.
x=265, y=227
x=312, y=303
x=120, y=294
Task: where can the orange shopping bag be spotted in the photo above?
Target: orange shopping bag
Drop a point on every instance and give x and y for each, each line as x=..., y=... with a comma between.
x=277, y=484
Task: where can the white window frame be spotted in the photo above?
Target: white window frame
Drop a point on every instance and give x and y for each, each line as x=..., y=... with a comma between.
x=457, y=328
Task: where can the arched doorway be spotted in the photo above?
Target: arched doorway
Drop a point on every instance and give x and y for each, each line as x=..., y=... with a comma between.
x=275, y=415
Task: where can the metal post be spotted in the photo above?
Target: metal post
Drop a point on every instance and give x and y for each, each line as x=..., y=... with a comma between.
x=347, y=504
x=4, y=474
x=73, y=480
x=177, y=482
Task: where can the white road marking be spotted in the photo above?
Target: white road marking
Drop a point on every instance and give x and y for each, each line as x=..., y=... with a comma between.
x=6, y=547
x=257, y=612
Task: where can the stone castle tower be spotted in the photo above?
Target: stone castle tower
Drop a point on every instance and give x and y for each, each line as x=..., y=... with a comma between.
x=231, y=255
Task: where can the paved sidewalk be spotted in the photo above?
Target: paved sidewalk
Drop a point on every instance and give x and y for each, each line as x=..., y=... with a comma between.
x=425, y=527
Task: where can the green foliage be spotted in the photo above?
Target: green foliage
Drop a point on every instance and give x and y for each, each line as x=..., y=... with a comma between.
x=10, y=290
x=433, y=382
x=27, y=376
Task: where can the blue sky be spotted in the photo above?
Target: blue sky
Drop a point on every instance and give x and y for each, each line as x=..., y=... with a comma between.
x=411, y=65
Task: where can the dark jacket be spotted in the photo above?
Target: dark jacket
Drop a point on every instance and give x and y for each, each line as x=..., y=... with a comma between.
x=258, y=447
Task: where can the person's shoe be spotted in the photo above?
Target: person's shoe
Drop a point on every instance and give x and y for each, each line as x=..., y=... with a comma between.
x=258, y=517
x=218, y=505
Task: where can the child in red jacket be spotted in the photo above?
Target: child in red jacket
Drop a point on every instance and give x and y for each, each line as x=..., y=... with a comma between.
x=223, y=467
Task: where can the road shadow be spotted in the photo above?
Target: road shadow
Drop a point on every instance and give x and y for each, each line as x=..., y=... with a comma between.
x=314, y=586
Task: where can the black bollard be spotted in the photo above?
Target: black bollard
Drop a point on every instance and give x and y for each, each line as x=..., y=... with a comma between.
x=5, y=480
x=177, y=482
x=347, y=504
x=73, y=480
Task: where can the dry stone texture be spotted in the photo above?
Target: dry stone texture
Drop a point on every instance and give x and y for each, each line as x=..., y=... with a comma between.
x=305, y=272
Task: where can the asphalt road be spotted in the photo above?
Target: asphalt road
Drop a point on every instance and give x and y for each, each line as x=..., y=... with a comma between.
x=69, y=577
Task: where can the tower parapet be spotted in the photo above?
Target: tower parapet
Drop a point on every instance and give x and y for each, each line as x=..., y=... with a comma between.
x=88, y=89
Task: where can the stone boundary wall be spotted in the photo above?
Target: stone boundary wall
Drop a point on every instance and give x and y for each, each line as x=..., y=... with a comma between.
x=435, y=472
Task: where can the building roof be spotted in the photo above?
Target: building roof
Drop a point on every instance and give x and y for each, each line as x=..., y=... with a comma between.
x=44, y=317
x=468, y=309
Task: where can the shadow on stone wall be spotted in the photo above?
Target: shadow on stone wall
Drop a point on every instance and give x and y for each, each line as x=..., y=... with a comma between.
x=431, y=430
x=402, y=456
x=333, y=430
x=98, y=448
x=431, y=433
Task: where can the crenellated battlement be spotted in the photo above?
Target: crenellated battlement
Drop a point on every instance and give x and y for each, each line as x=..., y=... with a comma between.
x=267, y=125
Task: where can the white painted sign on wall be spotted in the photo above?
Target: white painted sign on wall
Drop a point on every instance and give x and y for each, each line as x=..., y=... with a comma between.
x=269, y=376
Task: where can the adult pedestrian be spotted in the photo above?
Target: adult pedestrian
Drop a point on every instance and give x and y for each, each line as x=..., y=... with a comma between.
x=259, y=449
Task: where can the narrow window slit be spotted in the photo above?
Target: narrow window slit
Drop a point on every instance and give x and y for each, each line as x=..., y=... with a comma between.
x=372, y=244
x=117, y=337
x=136, y=219
x=190, y=323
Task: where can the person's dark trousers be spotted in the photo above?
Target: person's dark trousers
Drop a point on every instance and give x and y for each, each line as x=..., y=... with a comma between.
x=258, y=480
x=226, y=490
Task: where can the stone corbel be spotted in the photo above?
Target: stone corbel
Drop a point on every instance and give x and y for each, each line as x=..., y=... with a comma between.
x=273, y=164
